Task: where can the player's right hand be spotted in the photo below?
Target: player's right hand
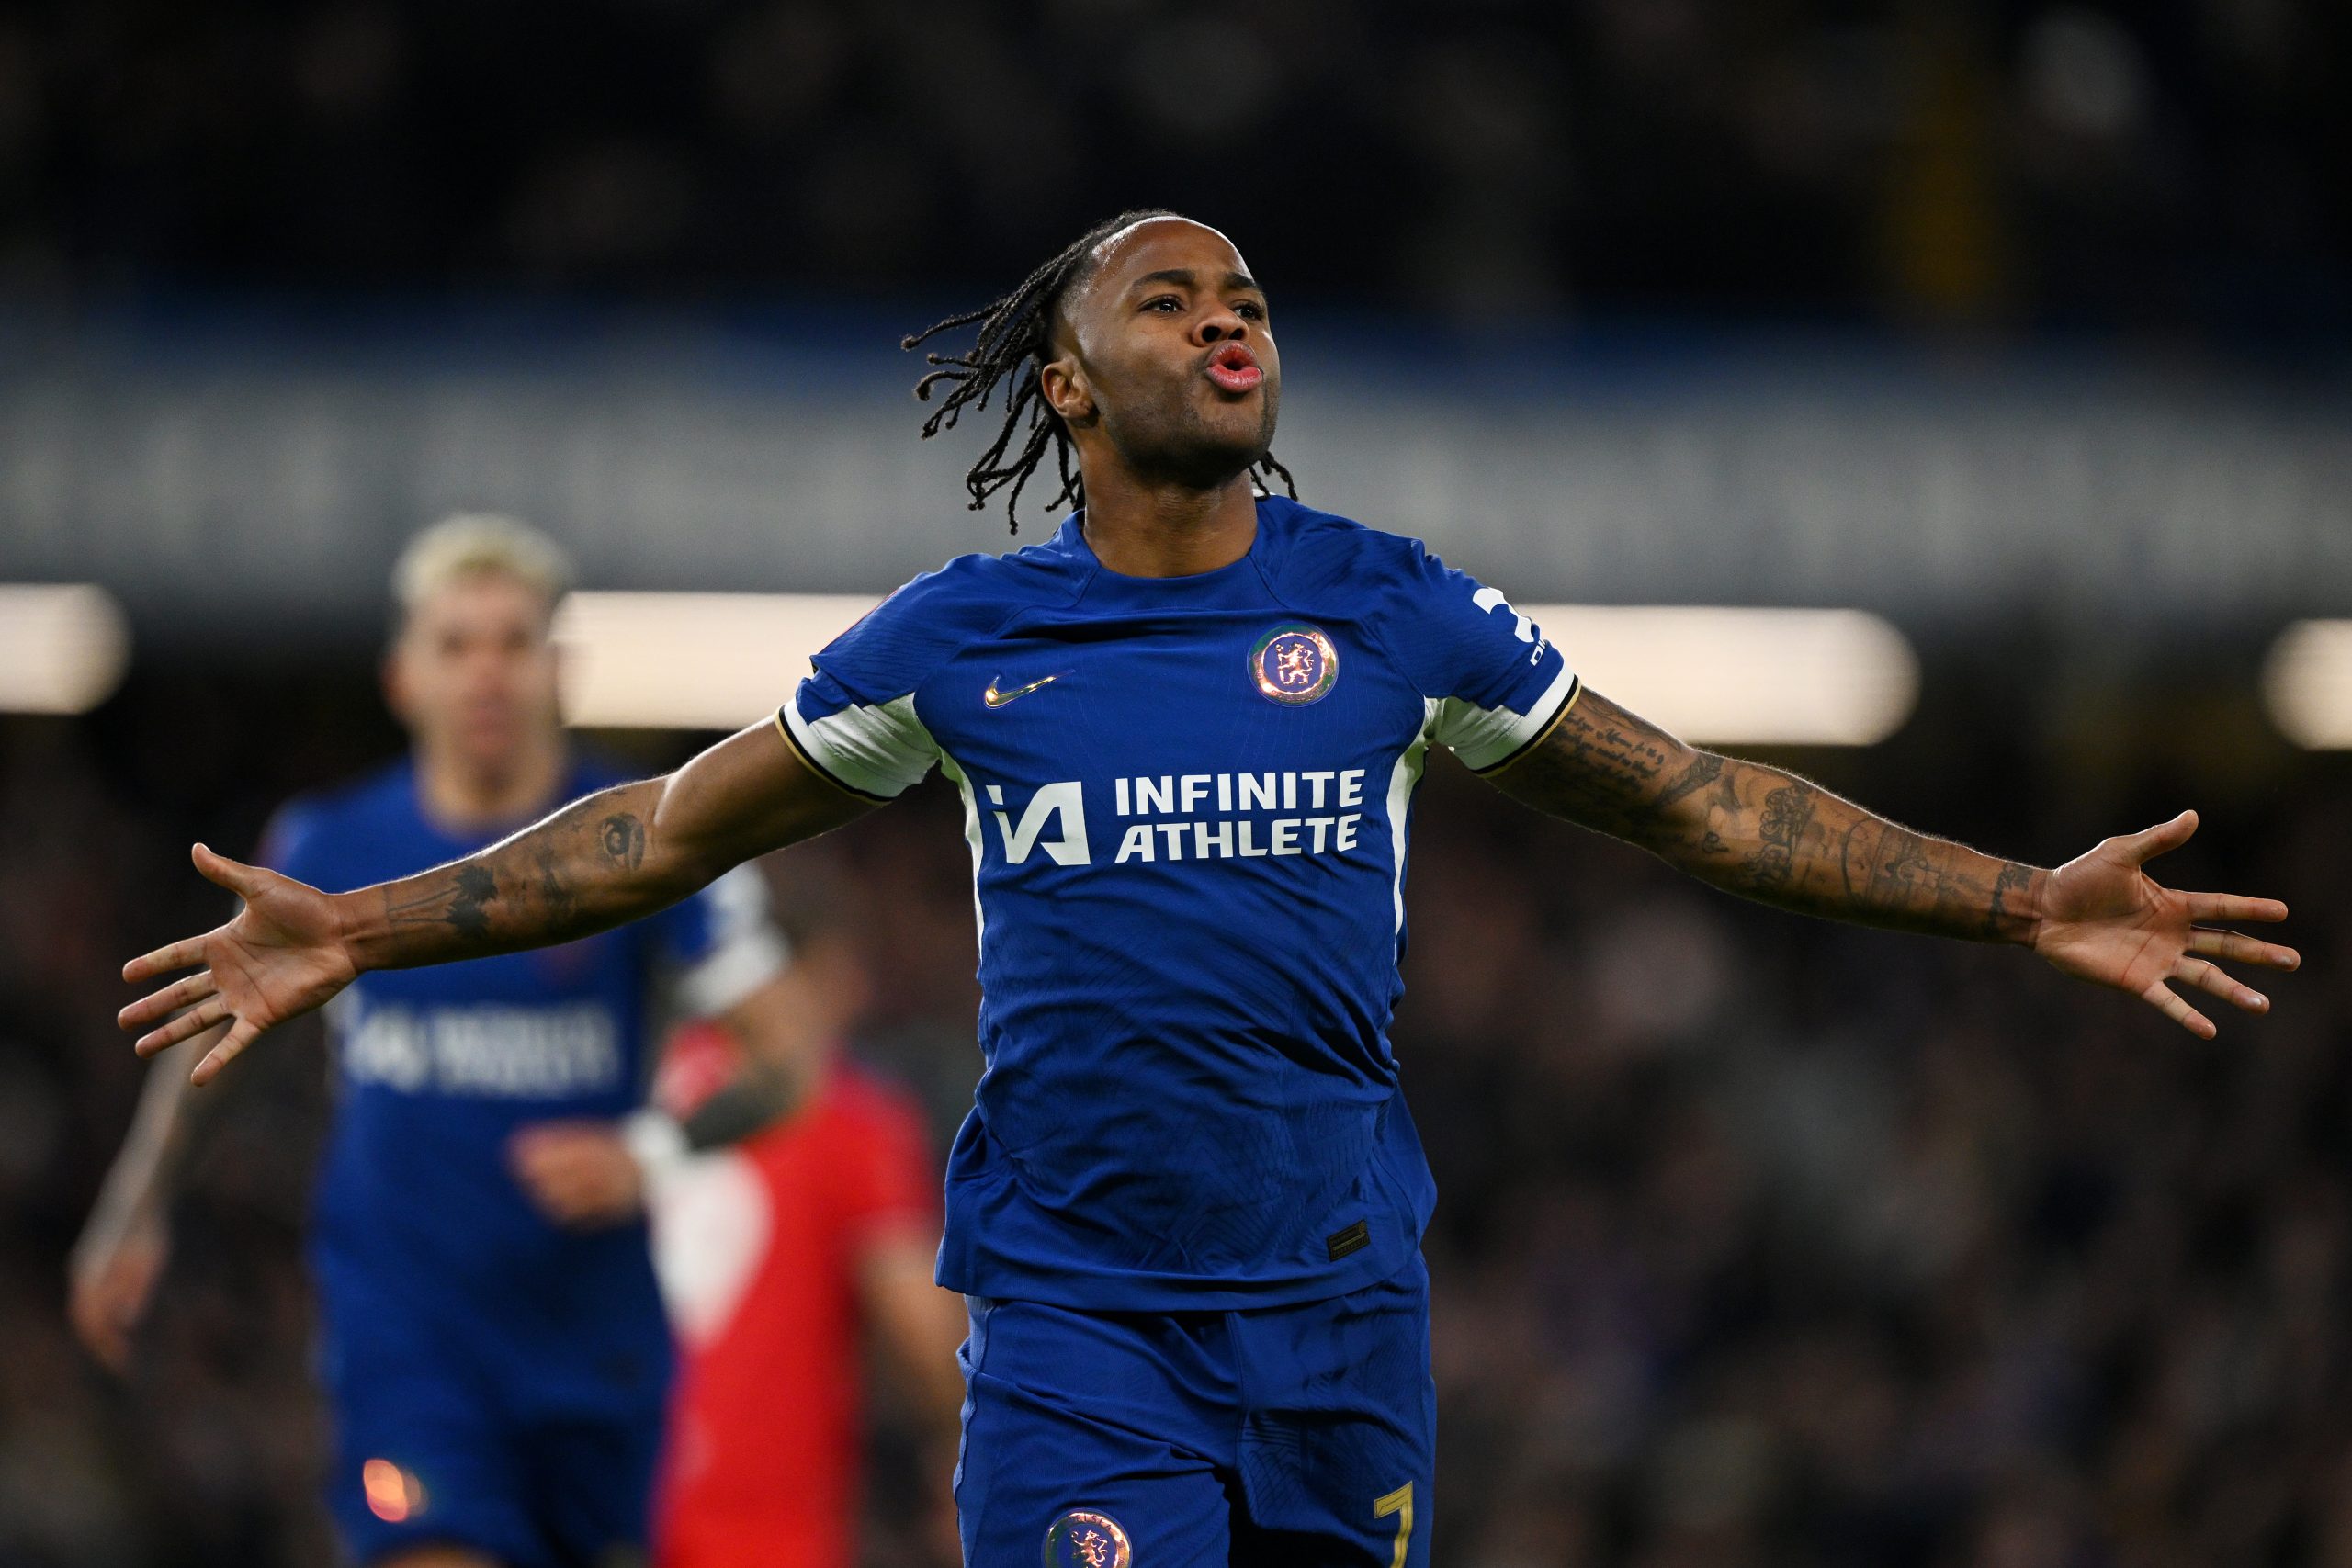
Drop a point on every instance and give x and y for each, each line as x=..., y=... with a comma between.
x=579, y=1174
x=109, y=1280
x=282, y=955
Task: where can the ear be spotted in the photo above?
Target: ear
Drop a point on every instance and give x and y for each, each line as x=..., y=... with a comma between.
x=1063, y=381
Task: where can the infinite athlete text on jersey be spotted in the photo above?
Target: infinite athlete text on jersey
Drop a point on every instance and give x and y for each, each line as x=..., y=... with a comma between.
x=1062, y=805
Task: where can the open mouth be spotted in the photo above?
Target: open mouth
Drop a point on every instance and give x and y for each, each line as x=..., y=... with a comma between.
x=1234, y=369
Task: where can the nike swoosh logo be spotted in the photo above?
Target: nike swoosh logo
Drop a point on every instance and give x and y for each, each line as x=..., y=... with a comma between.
x=996, y=699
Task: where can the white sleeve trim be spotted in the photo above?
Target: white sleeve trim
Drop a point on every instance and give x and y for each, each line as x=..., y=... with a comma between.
x=746, y=951
x=1482, y=738
x=878, y=751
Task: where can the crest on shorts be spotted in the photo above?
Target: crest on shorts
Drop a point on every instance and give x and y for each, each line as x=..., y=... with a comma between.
x=1082, y=1538
x=1295, y=664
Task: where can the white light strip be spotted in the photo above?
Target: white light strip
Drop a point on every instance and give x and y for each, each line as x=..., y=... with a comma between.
x=2307, y=684
x=1721, y=676
x=63, y=648
x=1743, y=677
x=691, y=660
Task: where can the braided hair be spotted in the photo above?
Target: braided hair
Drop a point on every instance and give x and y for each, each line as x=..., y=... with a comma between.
x=1014, y=342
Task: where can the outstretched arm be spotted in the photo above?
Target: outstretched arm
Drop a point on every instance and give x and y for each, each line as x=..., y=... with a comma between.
x=117, y=1260
x=120, y=1254
x=599, y=863
x=1773, y=837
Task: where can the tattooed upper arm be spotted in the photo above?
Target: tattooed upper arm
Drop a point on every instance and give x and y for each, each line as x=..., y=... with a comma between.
x=1611, y=770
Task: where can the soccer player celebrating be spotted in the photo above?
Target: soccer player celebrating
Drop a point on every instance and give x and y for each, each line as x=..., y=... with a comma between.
x=1188, y=1202
x=494, y=1350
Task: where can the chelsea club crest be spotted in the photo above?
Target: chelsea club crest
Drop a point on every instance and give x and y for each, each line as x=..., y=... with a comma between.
x=1084, y=1540
x=1295, y=664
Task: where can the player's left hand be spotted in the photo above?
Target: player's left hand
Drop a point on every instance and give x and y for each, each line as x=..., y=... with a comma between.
x=579, y=1174
x=2104, y=919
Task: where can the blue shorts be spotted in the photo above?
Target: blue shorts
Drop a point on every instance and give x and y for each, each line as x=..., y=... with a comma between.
x=434, y=1443
x=1301, y=1436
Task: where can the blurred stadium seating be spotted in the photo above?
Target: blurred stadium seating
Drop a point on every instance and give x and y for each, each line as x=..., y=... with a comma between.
x=2050, y=162
x=1759, y=1241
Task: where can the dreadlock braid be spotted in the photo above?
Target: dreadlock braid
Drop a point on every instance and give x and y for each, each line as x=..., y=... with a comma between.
x=1010, y=348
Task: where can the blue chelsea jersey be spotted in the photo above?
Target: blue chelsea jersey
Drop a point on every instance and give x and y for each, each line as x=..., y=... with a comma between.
x=436, y=1069
x=1188, y=802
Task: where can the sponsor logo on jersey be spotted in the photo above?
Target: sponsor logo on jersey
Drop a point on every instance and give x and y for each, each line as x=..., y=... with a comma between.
x=1082, y=1538
x=1300, y=811
x=1063, y=804
x=996, y=697
x=1295, y=664
x=492, y=1051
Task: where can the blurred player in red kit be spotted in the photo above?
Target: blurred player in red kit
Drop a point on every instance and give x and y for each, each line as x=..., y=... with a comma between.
x=782, y=1259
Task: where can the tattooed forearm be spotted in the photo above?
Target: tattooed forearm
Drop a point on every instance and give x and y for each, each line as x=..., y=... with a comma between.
x=460, y=901
x=1884, y=866
x=2012, y=886
x=1891, y=876
x=1780, y=839
x=555, y=892
x=586, y=868
x=1764, y=833
x=614, y=857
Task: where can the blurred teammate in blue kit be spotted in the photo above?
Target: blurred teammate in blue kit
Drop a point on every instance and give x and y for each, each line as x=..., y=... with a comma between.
x=494, y=1348
x=1188, y=1202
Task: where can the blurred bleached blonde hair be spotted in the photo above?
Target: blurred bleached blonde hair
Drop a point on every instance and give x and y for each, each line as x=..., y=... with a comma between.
x=479, y=542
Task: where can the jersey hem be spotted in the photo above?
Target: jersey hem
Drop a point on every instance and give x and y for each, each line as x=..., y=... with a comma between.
x=1077, y=1291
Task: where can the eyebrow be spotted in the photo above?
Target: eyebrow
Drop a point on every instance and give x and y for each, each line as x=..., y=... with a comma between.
x=1184, y=275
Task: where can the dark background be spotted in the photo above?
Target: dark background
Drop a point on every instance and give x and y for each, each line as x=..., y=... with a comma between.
x=1759, y=1241
x=2167, y=167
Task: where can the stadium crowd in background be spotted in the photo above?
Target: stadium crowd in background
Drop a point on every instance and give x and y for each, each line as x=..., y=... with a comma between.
x=1757, y=1241
x=2053, y=161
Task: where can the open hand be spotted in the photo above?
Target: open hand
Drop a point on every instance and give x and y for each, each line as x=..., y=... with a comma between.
x=2105, y=919
x=579, y=1174
x=281, y=956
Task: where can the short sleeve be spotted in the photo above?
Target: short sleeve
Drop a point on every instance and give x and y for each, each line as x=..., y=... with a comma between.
x=720, y=945
x=1494, y=681
x=875, y=748
x=853, y=718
